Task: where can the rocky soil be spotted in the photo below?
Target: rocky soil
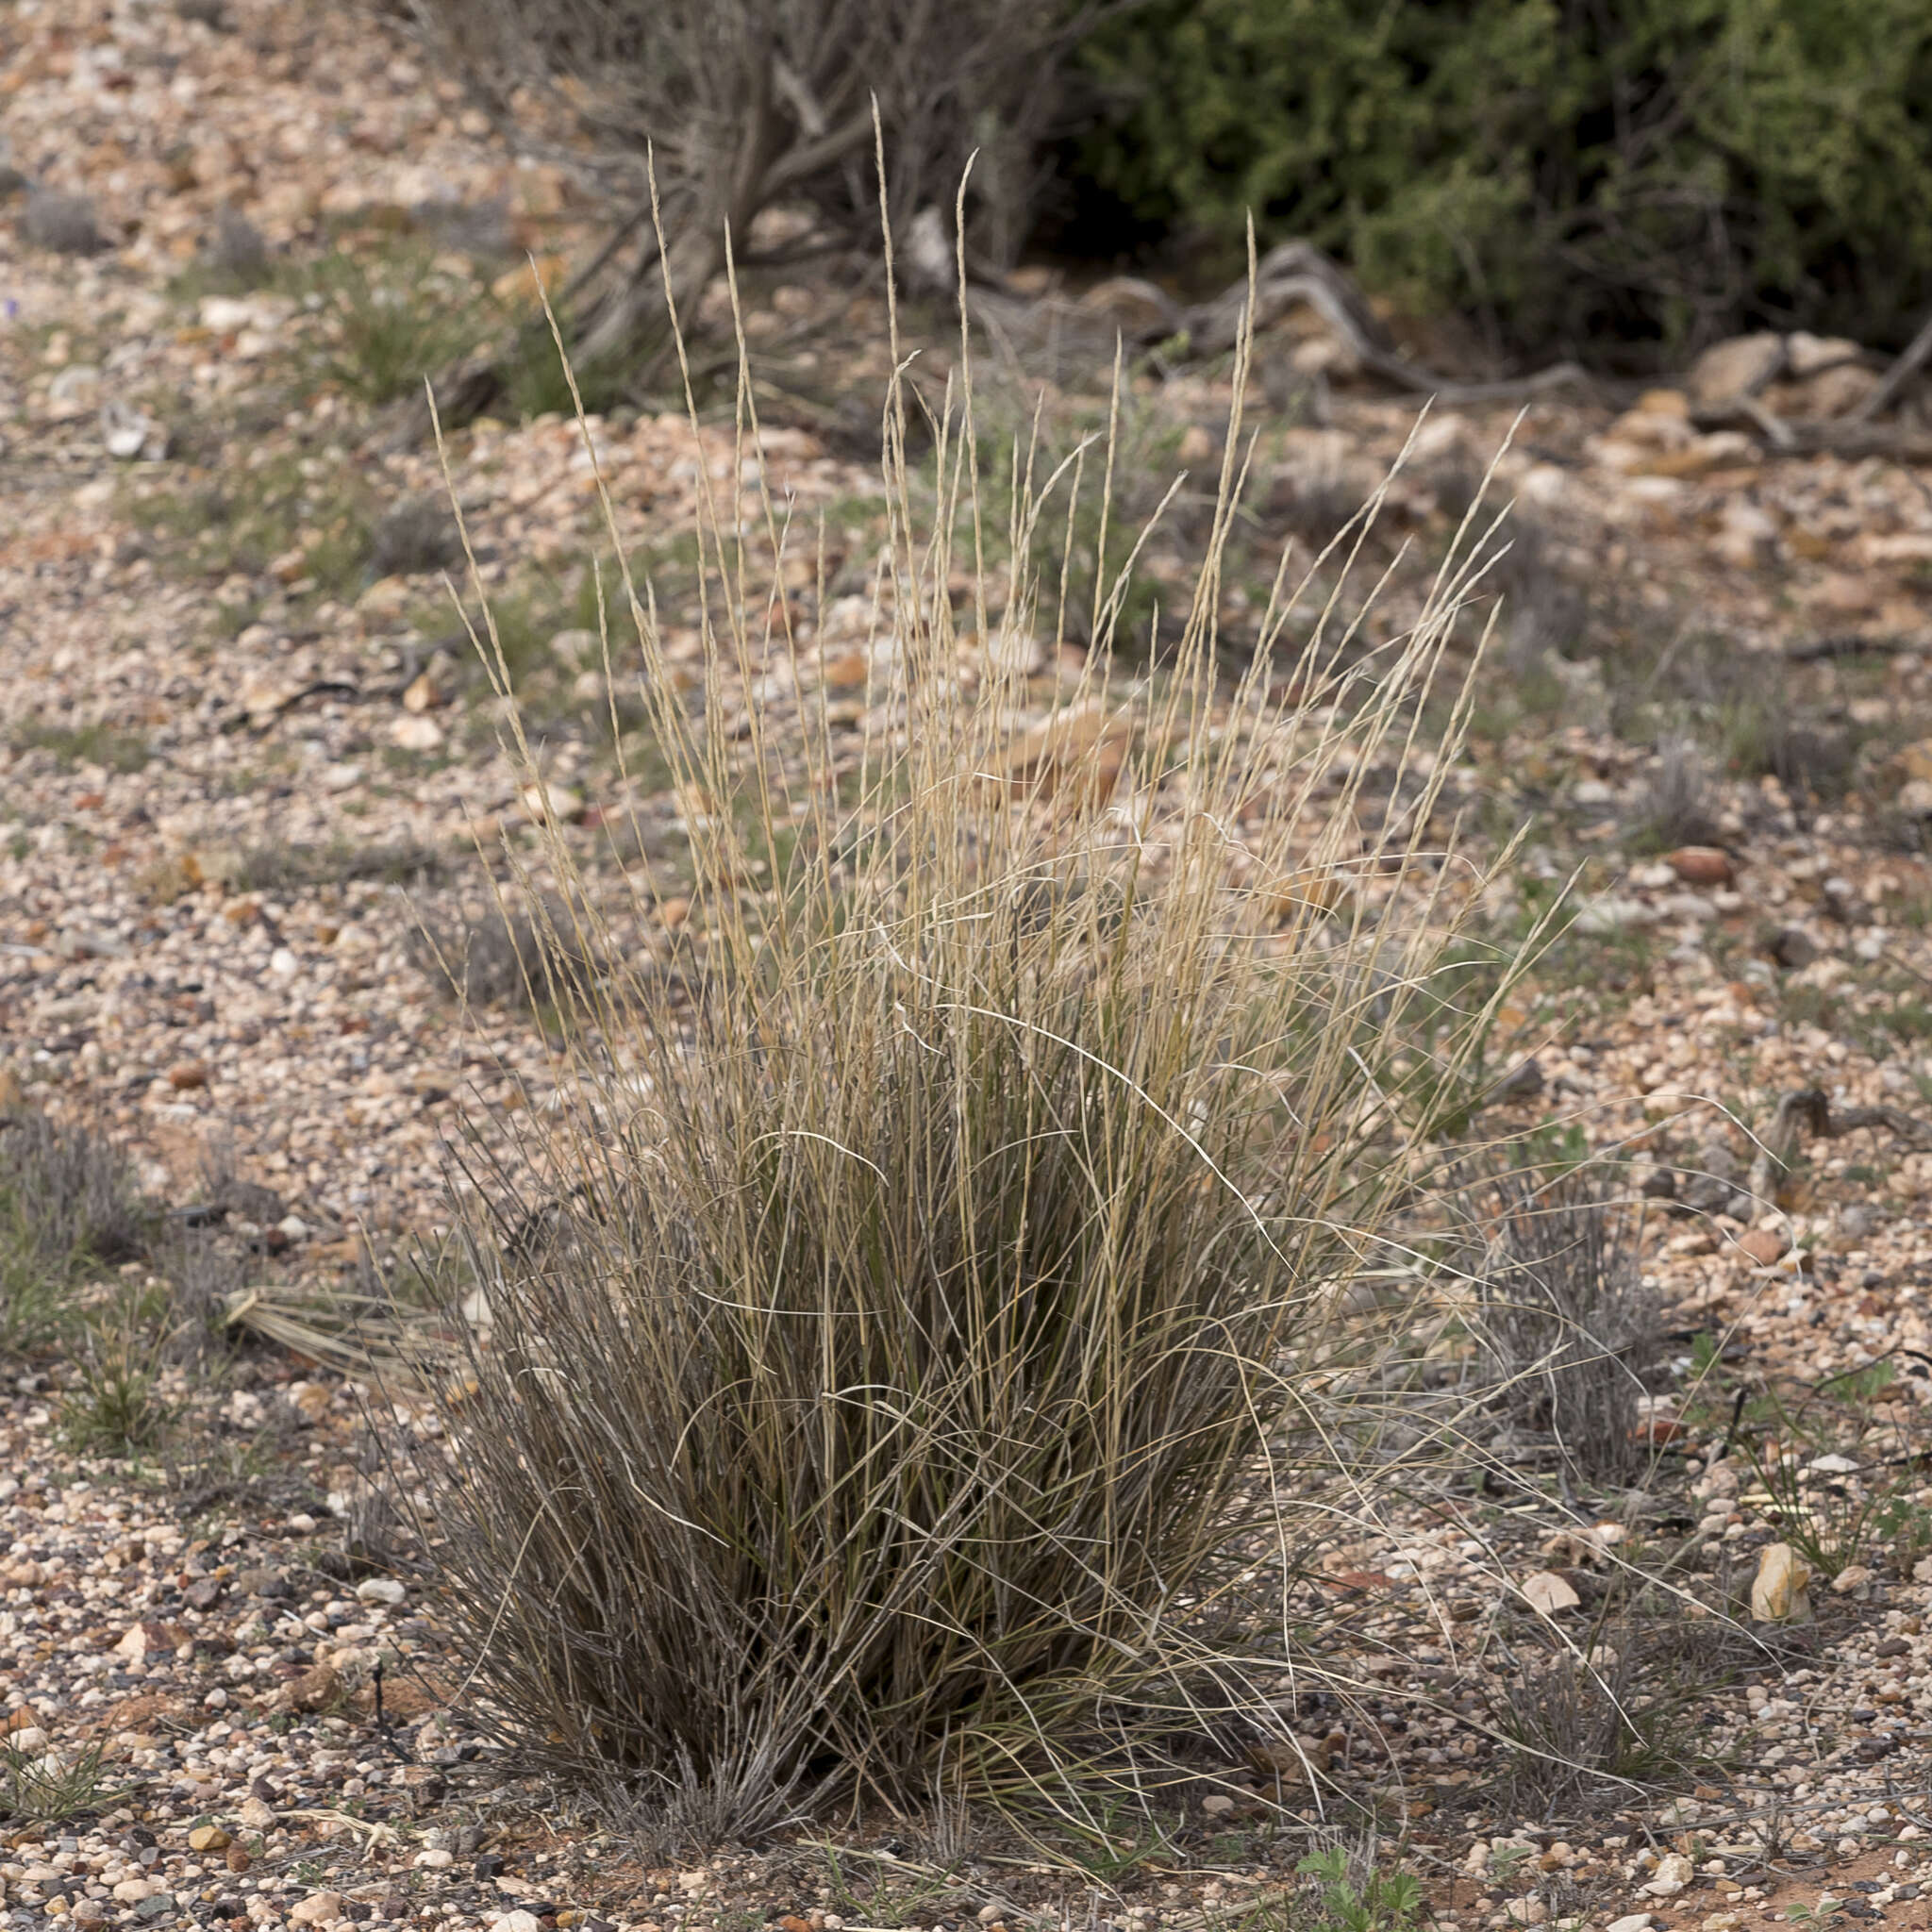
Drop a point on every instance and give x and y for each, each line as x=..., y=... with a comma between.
x=252, y=802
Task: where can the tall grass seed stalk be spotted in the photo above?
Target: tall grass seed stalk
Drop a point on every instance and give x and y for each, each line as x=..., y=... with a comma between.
x=932, y=1350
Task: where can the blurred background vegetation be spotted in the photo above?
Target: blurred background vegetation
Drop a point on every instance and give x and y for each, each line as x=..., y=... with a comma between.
x=1623, y=180
x=1617, y=181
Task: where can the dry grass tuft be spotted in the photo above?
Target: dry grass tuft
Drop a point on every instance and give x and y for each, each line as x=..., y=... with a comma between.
x=237, y=248
x=65, y=223
x=417, y=534
x=1678, y=805
x=1564, y=1316
x=69, y=1207
x=942, y=1340
x=1591, y=1722
x=505, y=958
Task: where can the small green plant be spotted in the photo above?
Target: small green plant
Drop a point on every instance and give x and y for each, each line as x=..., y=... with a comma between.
x=1831, y=1475
x=1828, y=1911
x=49, y=1788
x=1805, y=1004
x=1707, y=1351
x=1352, y=1898
x=389, y=319
x=1908, y=1018
x=68, y=1207
x=101, y=744
x=115, y=1407
x=1506, y=1858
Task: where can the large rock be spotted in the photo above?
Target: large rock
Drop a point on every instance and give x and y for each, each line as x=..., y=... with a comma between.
x=1807, y=355
x=1779, y=1590
x=1139, y=309
x=1659, y=419
x=1837, y=390
x=1737, y=367
x=1746, y=537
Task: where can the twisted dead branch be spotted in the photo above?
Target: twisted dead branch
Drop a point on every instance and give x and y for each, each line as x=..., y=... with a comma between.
x=1808, y=1114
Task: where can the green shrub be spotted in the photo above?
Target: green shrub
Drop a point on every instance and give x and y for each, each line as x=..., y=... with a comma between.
x=1658, y=171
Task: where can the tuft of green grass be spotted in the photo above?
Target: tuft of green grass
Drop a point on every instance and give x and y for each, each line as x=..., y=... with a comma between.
x=536, y=382
x=69, y=1209
x=50, y=1787
x=1837, y=1470
x=216, y=528
x=390, y=317
x=1907, y=1017
x=101, y=744
x=114, y=1406
x=868, y=1890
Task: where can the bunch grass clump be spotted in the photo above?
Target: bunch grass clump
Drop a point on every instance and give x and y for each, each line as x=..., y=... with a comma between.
x=507, y=957
x=69, y=1207
x=114, y=1406
x=925, y=1355
x=390, y=317
x=1586, y=1725
x=1564, y=1316
x=64, y=224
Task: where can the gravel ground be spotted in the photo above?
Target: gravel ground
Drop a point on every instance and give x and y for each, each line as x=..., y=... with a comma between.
x=235, y=785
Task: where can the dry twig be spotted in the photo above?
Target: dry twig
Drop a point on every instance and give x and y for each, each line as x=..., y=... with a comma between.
x=1809, y=1111
x=1911, y=359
